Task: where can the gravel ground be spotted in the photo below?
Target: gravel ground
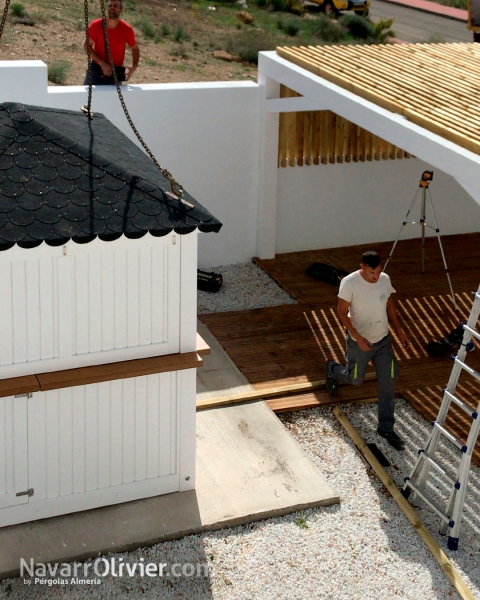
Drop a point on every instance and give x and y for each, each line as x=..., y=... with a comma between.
x=362, y=549
x=245, y=286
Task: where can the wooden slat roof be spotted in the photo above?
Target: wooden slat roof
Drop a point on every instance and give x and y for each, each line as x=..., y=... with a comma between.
x=436, y=86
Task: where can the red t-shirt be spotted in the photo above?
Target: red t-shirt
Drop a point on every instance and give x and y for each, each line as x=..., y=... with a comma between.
x=118, y=38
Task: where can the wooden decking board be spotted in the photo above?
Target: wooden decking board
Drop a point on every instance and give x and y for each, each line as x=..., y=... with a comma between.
x=288, y=344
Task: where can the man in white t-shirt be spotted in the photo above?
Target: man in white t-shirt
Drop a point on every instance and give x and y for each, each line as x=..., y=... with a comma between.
x=365, y=308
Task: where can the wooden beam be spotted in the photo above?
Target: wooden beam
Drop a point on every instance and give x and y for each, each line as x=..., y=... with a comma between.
x=453, y=575
x=118, y=370
x=270, y=392
x=18, y=385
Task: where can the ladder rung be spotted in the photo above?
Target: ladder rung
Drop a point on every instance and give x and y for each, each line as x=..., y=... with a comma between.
x=467, y=368
x=461, y=404
x=450, y=437
x=436, y=466
x=474, y=332
x=433, y=505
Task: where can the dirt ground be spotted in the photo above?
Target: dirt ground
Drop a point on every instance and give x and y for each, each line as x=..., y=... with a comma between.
x=56, y=33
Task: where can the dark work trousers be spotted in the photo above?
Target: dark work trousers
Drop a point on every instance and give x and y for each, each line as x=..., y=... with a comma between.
x=98, y=78
x=387, y=370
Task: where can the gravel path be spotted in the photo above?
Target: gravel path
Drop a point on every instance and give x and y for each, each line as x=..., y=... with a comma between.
x=245, y=286
x=363, y=549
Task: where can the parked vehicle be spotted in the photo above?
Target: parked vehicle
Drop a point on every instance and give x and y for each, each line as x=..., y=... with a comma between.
x=332, y=7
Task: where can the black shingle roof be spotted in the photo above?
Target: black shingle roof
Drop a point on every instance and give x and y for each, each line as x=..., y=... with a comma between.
x=63, y=176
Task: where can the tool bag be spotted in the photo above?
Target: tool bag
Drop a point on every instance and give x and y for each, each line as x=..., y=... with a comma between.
x=447, y=344
x=326, y=273
x=209, y=282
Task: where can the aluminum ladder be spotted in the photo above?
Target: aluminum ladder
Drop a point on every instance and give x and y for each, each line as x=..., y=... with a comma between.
x=415, y=484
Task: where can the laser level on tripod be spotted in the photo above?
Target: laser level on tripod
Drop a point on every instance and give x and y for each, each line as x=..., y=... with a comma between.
x=425, y=180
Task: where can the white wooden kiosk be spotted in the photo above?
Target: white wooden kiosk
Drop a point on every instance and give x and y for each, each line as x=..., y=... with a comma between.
x=98, y=318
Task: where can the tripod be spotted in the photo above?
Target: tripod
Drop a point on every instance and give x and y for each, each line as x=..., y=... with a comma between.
x=427, y=176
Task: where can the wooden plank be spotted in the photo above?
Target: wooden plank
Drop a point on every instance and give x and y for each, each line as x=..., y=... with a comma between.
x=19, y=385
x=118, y=370
x=116, y=431
x=323, y=134
x=299, y=133
x=447, y=567
x=128, y=433
x=81, y=305
x=268, y=393
x=107, y=259
x=307, y=137
x=105, y=456
x=167, y=432
x=65, y=431
x=145, y=296
x=121, y=298
x=160, y=281
x=332, y=133
x=32, y=274
x=133, y=297
x=78, y=439
x=339, y=121
x=6, y=328
x=94, y=302
x=317, y=142
x=19, y=312
x=153, y=426
x=140, y=429
x=52, y=438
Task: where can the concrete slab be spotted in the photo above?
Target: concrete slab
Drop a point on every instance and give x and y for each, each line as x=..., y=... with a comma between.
x=248, y=468
x=218, y=376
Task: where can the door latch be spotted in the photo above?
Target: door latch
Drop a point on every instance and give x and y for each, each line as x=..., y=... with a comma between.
x=28, y=493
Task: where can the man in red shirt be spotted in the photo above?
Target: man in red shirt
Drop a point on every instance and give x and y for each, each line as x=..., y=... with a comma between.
x=119, y=35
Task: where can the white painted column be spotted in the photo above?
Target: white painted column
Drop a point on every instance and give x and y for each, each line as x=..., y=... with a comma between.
x=267, y=193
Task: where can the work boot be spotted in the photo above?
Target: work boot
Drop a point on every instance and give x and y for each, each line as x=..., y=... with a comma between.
x=330, y=383
x=393, y=439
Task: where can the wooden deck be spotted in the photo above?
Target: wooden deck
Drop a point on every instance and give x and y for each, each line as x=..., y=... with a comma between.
x=290, y=344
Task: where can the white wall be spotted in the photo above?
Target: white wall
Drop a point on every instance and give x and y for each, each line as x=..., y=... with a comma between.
x=208, y=136
x=326, y=206
x=205, y=134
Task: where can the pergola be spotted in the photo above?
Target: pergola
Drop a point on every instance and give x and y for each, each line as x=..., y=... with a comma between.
x=422, y=98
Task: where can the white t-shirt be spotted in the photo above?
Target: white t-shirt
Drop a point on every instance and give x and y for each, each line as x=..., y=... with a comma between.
x=368, y=304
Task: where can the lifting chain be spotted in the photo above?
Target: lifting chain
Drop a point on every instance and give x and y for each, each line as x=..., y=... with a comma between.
x=176, y=187
x=88, y=109
x=4, y=17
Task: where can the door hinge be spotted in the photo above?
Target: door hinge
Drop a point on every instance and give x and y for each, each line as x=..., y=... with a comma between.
x=28, y=493
x=29, y=395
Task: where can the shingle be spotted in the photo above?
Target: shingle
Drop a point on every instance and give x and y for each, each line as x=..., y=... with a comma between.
x=92, y=182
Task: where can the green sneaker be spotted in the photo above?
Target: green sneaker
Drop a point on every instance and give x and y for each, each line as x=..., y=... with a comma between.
x=330, y=383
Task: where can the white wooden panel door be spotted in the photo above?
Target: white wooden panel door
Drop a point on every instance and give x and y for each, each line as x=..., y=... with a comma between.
x=104, y=435
x=13, y=451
